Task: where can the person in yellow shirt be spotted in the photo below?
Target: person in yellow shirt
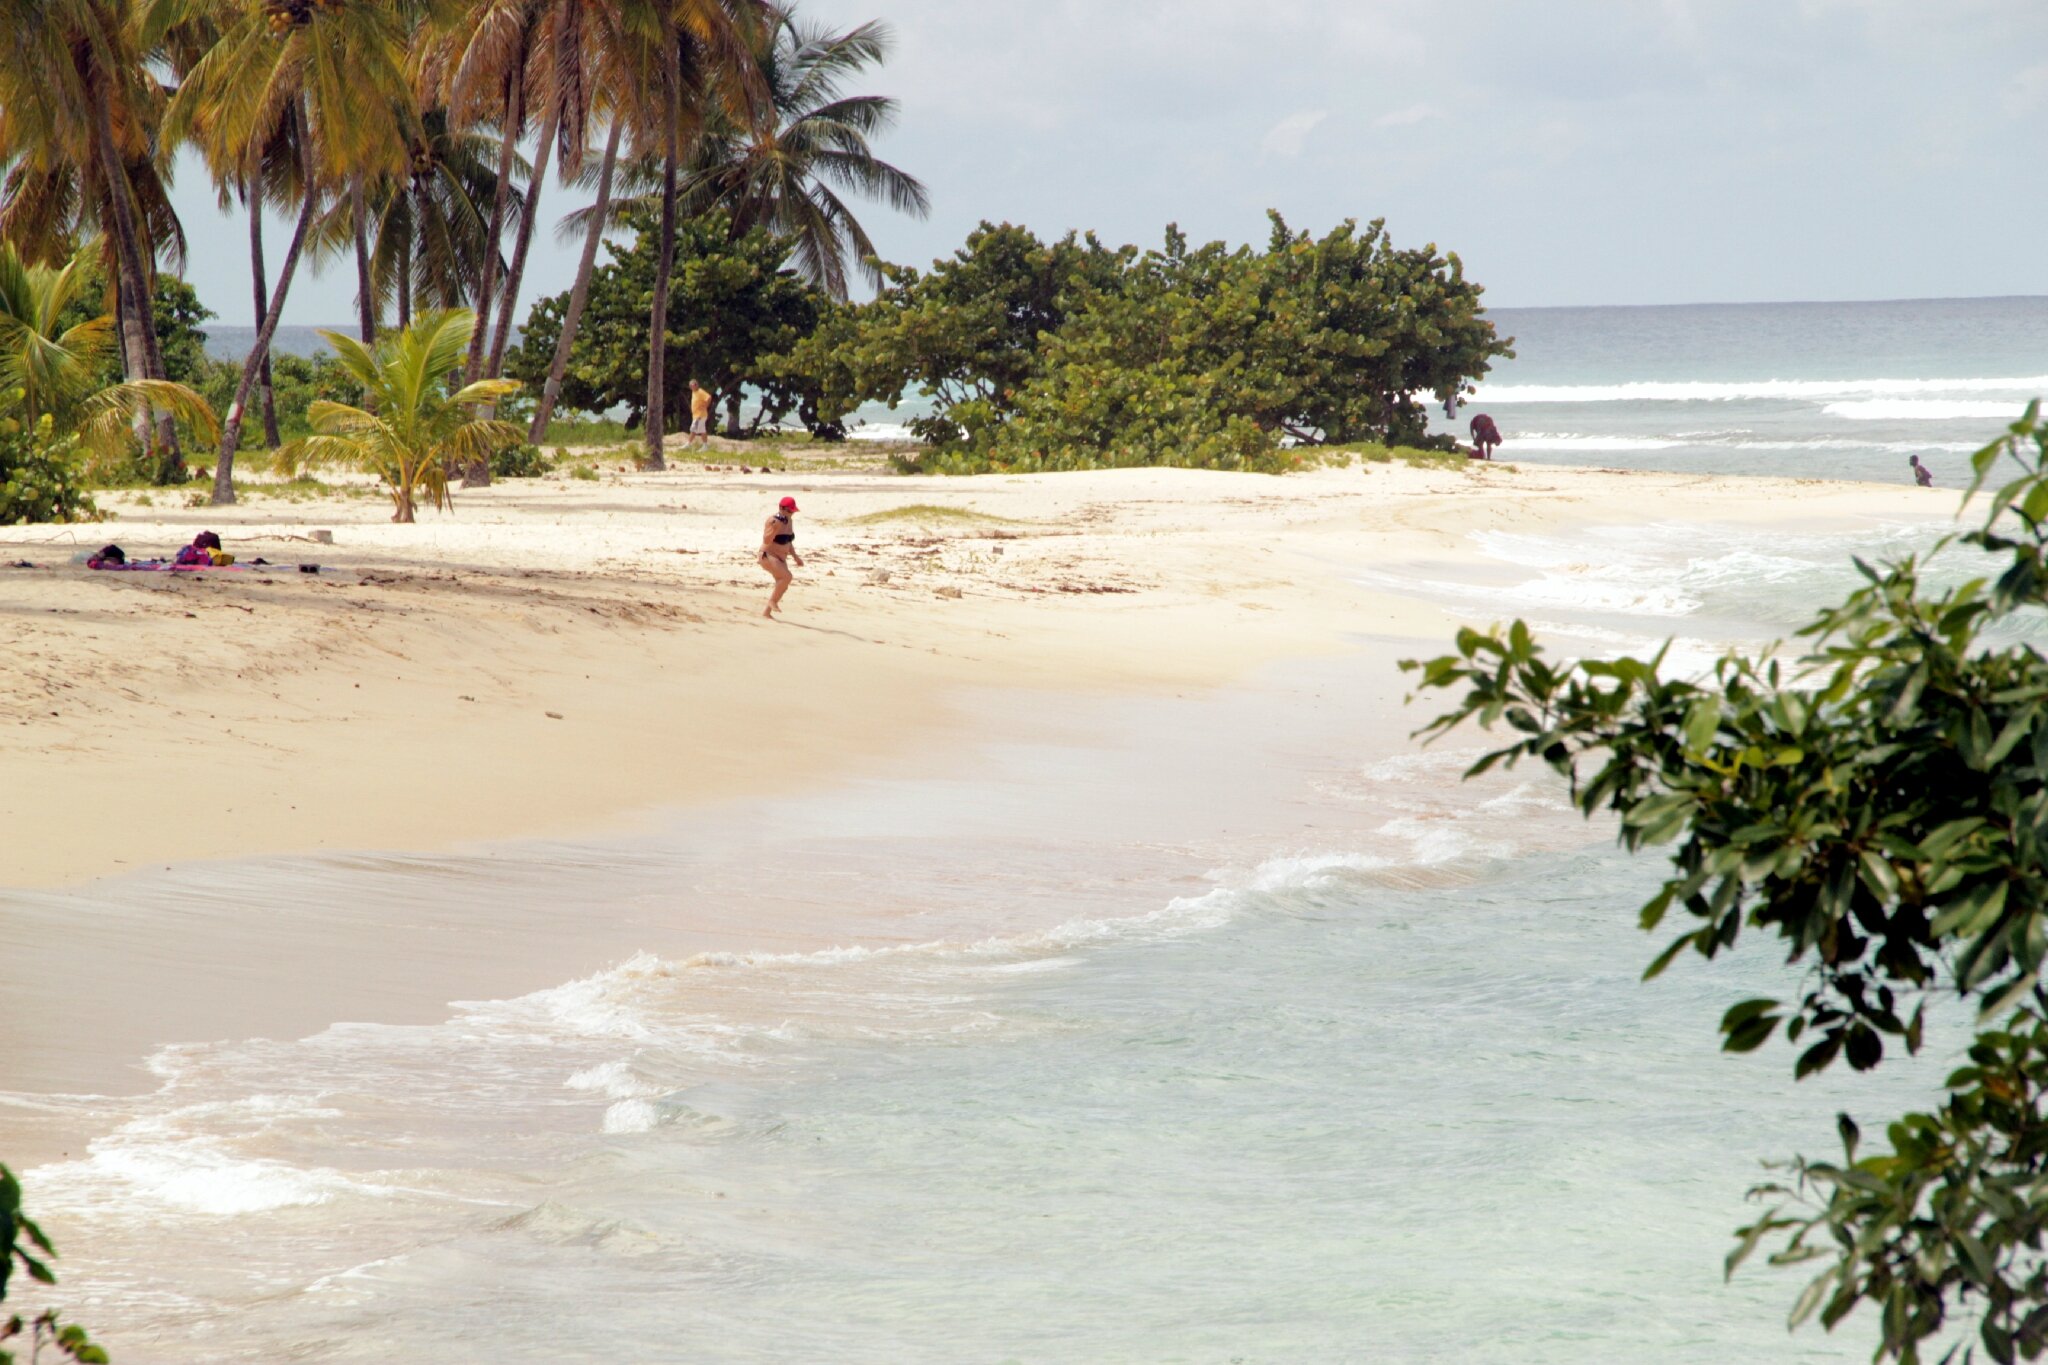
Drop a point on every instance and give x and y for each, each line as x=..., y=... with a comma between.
x=700, y=415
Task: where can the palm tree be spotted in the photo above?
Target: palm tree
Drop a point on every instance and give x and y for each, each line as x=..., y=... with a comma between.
x=784, y=176
x=579, y=292
x=334, y=68
x=787, y=175
x=414, y=428
x=487, y=82
x=426, y=231
x=780, y=174
x=77, y=93
x=51, y=371
x=692, y=55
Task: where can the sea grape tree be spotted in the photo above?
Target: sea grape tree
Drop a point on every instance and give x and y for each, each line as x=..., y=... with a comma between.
x=1879, y=809
x=1068, y=354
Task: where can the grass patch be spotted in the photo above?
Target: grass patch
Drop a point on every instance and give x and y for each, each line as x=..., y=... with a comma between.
x=586, y=431
x=931, y=513
x=583, y=471
x=1372, y=452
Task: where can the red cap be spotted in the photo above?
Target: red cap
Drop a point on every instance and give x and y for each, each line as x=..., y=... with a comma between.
x=790, y=503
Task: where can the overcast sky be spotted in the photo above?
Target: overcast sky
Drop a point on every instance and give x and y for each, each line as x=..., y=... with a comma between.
x=1571, y=151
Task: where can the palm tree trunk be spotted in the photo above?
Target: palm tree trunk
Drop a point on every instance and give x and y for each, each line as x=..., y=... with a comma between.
x=366, y=296
x=509, y=296
x=664, y=267
x=404, y=282
x=421, y=208
x=136, y=323
x=171, y=468
x=231, y=430
x=133, y=366
x=579, y=293
x=508, y=144
x=262, y=293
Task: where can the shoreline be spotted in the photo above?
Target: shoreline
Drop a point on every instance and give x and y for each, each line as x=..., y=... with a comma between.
x=401, y=707
x=562, y=657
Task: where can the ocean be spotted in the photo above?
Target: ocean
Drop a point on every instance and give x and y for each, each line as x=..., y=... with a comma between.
x=1821, y=390
x=1811, y=390
x=1224, y=1028
x=1210, y=1029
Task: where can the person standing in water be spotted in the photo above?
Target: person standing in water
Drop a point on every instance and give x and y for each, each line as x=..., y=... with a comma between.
x=1922, y=475
x=778, y=548
x=700, y=416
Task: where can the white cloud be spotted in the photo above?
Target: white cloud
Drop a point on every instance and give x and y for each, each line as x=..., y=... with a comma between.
x=2025, y=91
x=1408, y=117
x=1286, y=137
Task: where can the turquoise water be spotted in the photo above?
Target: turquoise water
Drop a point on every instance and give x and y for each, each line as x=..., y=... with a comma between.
x=1225, y=1028
x=1329, y=1118
x=1200, y=1030
x=1390, y=1108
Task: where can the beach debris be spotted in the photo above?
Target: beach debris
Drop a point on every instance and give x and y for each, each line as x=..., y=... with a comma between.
x=552, y=715
x=879, y=576
x=949, y=591
x=323, y=537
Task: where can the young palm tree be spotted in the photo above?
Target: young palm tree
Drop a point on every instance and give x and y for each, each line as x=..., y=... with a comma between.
x=49, y=370
x=335, y=68
x=418, y=428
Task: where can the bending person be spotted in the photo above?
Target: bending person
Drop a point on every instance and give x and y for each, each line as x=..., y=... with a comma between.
x=778, y=548
x=1485, y=437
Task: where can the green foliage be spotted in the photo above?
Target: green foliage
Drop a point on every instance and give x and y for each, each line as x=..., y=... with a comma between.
x=41, y=476
x=1429, y=456
x=176, y=311
x=1882, y=811
x=733, y=303
x=584, y=472
x=967, y=333
x=586, y=431
x=56, y=361
x=21, y=1241
x=520, y=461
x=418, y=425
x=297, y=383
x=1069, y=355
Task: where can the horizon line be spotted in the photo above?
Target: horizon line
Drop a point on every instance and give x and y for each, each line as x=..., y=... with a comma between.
x=349, y=326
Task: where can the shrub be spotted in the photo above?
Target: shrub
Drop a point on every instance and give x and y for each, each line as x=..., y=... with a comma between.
x=42, y=478
x=583, y=471
x=520, y=462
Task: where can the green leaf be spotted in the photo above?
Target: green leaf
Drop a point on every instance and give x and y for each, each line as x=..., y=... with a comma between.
x=1810, y=1297
x=1663, y=959
x=1701, y=721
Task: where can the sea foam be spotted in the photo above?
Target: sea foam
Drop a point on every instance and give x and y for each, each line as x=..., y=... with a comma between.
x=1699, y=390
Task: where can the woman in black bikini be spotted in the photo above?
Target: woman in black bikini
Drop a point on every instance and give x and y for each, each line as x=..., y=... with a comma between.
x=778, y=548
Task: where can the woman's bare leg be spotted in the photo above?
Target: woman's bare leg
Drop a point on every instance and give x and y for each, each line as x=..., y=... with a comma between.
x=780, y=572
